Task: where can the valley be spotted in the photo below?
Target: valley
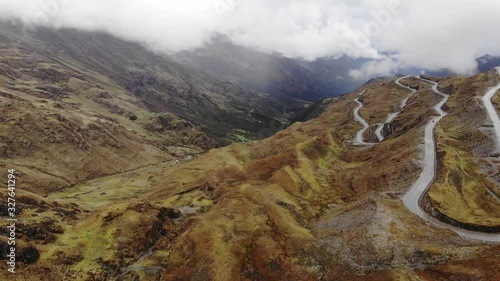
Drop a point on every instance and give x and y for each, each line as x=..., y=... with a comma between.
x=305, y=203
x=229, y=163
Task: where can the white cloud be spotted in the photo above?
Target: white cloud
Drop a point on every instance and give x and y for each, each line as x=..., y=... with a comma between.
x=425, y=33
x=440, y=34
x=377, y=68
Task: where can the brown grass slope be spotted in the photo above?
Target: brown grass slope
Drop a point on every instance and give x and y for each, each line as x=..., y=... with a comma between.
x=467, y=187
x=60, y=127
x=223, y=110
x=302, y=205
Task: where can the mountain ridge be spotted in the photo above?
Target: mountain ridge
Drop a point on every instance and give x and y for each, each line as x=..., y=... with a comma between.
x=134, y=165
x=303, y=204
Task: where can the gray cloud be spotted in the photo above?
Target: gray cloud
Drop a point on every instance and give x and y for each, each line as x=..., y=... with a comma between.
x=425, y=33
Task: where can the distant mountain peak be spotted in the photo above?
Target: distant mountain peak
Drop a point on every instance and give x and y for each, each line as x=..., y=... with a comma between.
x=487, y=62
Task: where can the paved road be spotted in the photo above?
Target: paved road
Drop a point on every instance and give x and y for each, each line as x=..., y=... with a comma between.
x=492, y=112
x=380, y=127
x=413, y=91
x=358, y=139
x=428, y=175
x=392, y=116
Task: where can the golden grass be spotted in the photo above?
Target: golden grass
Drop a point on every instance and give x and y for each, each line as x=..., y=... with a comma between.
x=461, y=191
x=254, y=206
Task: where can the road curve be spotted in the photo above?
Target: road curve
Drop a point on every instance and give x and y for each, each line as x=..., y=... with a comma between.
x=358, y=139
x=380, y=127
x=427, y=177
x=492, y=112
x=413, y=91
x=392, y=116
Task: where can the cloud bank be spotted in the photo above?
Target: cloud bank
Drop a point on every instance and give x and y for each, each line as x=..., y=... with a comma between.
x=395, y=33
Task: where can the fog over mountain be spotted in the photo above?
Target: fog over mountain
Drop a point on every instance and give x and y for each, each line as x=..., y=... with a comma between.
x=396, y=34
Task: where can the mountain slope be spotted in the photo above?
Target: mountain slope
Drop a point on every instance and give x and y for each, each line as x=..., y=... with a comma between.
x=335, y=72
x=487, y=62
x=221, y=109
x=280, y=77
x=304, y=204
x=61, y=127
x=78, y=106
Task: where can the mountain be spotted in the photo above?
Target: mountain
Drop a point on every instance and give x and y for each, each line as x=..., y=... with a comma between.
x=282, y=77
x=223, y=110
x=308, y=203
x=335, y=72
x=279, y=76
x=487, y=62
x=78, y=106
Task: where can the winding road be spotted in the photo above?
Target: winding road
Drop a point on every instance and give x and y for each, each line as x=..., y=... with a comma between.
x=413, y=91
x=358, y=139
x=392, y=116
x=428, y=175
x=491, y=111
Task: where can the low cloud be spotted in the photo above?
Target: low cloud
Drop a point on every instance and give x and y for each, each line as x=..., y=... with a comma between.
x=377, y=68
x=427, y=34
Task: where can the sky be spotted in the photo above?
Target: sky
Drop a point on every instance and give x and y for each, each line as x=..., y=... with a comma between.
x=395, y=34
